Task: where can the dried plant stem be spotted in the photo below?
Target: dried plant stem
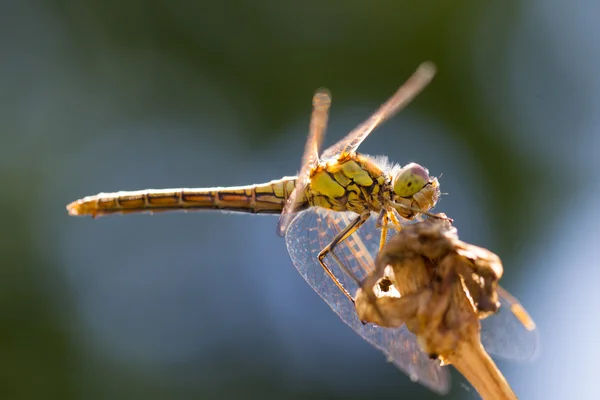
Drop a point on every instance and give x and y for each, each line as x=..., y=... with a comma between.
x=474, y=363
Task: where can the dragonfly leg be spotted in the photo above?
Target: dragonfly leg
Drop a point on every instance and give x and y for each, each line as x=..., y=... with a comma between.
x=384, y=229
x=423, y=212
x=393, y=216
x=385, y=217
x=340, y=237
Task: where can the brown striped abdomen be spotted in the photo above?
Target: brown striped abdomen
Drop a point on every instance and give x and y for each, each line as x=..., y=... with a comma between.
x=267, y=198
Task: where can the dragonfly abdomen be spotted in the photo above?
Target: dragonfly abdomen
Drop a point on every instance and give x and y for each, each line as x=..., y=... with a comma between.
x=267, y=198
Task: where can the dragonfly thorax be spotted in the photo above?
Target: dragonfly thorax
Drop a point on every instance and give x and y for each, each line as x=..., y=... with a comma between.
x=350, y=183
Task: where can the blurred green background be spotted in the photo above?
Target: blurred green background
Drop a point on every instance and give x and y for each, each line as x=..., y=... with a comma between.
x=102, y=95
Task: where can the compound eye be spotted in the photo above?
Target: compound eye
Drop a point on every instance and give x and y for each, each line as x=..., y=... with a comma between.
x=410, y=179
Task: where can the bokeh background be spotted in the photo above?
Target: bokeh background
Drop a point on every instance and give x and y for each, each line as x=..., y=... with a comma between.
x=103, y=95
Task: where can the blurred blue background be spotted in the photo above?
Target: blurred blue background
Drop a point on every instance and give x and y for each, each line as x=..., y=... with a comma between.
x=104, y=95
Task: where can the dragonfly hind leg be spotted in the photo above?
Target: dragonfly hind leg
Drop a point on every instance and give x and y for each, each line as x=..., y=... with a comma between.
x=340, y=237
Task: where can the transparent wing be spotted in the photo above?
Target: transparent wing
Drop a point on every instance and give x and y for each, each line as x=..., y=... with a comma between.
x=318, y=126
x=310, y=232
x=506, y=336
x=403, y=96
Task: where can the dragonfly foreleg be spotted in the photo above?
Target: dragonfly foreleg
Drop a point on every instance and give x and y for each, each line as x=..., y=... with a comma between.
x=384, y=218
x=340, y=237
x=382, y=222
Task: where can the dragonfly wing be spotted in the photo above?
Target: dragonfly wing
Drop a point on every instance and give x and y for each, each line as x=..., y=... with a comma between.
x=307, y=235
x=506, y=336
x=403, y=96
x=318, y=126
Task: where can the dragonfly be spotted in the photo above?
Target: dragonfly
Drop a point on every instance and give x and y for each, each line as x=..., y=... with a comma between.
x=339, y=180
x=335, y=214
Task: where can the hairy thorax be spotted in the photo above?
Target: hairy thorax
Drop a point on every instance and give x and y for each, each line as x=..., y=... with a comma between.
x=351, y=183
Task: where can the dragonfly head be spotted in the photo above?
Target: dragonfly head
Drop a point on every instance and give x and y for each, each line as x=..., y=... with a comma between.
x=410, y=179
x=414, y=190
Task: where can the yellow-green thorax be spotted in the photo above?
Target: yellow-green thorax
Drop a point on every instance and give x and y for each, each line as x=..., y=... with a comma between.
x=351, y=183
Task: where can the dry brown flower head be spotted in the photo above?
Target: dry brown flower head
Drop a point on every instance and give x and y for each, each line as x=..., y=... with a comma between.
x=440, y=287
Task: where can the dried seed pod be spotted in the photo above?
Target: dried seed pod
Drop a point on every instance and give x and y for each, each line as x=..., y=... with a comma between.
x=440, y=287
